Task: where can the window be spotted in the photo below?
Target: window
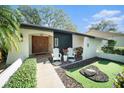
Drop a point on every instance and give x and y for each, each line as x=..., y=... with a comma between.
x=56, y=42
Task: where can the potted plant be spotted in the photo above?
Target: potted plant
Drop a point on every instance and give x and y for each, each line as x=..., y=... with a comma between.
x=78, y=52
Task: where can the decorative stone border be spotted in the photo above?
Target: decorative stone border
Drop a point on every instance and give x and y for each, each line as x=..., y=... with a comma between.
x=79, y=63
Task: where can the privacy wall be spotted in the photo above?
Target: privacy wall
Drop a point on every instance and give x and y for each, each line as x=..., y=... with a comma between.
x=90, y=47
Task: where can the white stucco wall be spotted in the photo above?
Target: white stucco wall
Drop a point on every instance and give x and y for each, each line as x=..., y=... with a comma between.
x=109, y=35
x=115, y=57
x=77, y=41
x=25, y=45
x=90, y=47
x=5, y=75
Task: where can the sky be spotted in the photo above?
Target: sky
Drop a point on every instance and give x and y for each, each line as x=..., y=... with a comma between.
x=83, y=15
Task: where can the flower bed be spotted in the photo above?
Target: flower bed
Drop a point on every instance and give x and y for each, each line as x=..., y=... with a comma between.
x=25, y=76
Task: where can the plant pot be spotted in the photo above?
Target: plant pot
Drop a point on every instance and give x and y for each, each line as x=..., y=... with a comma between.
x=65, y=57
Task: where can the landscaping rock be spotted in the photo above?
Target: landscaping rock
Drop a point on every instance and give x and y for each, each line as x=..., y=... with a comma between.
x=93, y=73
x=89, y=72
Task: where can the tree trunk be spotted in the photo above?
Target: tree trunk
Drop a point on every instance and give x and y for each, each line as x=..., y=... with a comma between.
x=0, y=56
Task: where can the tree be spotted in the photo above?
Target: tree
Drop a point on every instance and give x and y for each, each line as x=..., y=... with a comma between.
x=30, y=15
x=56, y=18
x=105, y=25
x=9, y=29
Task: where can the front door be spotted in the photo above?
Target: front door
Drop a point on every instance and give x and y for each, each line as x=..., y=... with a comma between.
x=39, y=44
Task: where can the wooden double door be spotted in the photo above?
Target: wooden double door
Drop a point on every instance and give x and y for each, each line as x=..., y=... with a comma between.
x=40, y=44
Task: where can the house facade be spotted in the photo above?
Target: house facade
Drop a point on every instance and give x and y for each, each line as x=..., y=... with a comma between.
x=41, y=40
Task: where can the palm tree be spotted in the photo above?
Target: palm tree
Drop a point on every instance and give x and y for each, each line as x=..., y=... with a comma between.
x=9, y=29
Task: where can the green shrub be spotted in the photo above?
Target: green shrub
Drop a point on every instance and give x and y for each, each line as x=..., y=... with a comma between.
x=111, y=49
x=106, y=49
x=119, y=80
x=119, y=50
x=111, y=43
x=25, y=76
x=122, y=51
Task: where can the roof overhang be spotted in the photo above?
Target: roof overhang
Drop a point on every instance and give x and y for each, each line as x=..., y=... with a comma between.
x=32, y=26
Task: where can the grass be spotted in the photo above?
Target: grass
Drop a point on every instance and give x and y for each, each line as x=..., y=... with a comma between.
x=25, y=76
x=110, y=68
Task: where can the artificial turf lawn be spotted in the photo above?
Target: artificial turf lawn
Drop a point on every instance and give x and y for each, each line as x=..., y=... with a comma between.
x=108, y=67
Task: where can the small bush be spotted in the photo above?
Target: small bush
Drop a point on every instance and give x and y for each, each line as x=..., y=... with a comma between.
x=111, y=43
x=108, y=49
x=25, y=76
x=119, y=80
x=119, y=50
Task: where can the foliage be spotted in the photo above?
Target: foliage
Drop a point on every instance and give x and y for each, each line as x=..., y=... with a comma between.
x=56, y=18
x=107, y=49
x=111, y=43
x=108, y=67
x=119, y=51
x=113, y=51
x=119, y=80
x=46, y=16
x=25, y=76
x=9, y=29
x=110, y=48
x=30, y=15
x=105, y=26
x=78, y=53
x=3, y=55
x=78, y=50
x=65, y=50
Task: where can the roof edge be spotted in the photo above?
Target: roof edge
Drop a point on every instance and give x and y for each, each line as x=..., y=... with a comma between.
x=29, y=26
x=33, y=26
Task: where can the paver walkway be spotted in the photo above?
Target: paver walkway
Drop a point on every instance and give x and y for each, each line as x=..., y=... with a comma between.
x=47, y=77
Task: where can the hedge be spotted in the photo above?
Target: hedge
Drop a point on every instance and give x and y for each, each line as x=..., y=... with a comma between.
x=111, y=49
x=25, y=76
x=115, y=50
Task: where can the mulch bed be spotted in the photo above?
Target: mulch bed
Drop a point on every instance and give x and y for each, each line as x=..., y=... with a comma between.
x=67, y=81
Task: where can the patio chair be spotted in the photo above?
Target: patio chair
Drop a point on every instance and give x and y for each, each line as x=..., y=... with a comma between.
x=71, y=54
x=56, y=55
